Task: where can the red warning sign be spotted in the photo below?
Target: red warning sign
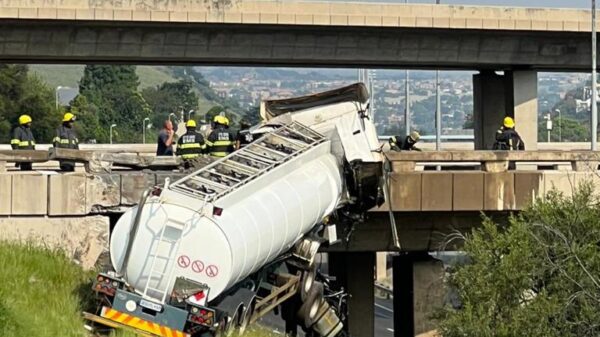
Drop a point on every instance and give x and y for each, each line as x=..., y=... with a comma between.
x=198, y=266
x=212, y=271
x=183, y=261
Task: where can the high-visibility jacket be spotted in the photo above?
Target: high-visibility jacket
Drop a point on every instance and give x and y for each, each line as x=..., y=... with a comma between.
x=66, y=138
x=22, y=139
x=191, y=145
x=220, y=142
x=508, y=139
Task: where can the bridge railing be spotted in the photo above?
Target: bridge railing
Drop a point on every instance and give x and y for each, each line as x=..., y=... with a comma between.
x=495, y=161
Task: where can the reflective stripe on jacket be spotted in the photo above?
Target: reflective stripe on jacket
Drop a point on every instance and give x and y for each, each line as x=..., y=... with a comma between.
x=220, y=142
x=22, y=139
x=190, y=145
x=66, y=138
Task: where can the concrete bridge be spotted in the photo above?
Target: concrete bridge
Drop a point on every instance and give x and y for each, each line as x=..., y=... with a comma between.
x=294, y=33
x=76, y=210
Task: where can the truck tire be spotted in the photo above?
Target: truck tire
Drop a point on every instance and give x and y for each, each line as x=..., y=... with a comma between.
x=246, y=316
x=308, y=312
x=307, y=282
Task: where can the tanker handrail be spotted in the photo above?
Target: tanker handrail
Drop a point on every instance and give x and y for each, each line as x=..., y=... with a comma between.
x=133, y=230
x=309, y=138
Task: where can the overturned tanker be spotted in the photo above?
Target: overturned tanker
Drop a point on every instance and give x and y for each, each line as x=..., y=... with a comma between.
x=214, y=251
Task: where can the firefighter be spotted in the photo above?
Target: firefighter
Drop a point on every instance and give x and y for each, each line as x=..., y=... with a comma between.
x=23, y=139
x=244, y=137
x=66, y=138
x=507, y=137
x=220, y=141
x=408, y=144
x=191, y=145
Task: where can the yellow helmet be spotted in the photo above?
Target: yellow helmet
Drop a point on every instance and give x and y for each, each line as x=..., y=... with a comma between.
x=509, y=122
x=415, y=136
x=24, y=119
x=221, y=120
x=68, y=117
x=190, y=123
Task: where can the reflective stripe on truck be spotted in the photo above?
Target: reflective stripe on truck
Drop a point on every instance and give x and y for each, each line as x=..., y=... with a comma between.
x=140, y=324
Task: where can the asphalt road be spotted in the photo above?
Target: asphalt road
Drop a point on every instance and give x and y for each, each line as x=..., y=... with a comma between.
x=384, y=320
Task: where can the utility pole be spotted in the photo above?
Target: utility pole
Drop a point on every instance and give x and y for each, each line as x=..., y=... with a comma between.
x=406, y=104
x=438, y=113
x=438, y=108
x=594, y=88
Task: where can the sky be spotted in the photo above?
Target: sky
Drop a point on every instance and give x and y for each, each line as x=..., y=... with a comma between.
x=520, y=3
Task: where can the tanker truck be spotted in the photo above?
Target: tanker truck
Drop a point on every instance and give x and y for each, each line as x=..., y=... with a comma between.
x=210, y=253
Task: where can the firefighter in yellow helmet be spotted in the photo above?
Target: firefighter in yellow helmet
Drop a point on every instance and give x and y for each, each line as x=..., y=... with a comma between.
x=23, y=139
x=507, y=137
x=221, y=140
x=66, y=138
x=191, y=145
x=406, y=144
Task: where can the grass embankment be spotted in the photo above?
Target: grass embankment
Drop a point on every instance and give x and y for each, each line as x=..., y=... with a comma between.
x=42, y=294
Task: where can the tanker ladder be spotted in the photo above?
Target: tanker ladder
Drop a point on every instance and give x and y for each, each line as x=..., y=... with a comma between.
x=242, y=166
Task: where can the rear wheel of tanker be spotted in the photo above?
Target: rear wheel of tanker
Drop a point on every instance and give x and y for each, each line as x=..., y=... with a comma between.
x=228, y=325
x=309, y=310
x=245, y=317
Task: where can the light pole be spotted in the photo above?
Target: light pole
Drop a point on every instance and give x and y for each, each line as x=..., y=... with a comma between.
x=438, y=108
x=144, y=129
x=406, y=104
x=174, y=115
x=548, y=119
x=60, y=87
x=559, y=125
x=111, y=131
x=594, y=88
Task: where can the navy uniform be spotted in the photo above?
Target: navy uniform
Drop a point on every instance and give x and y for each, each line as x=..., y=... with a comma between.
x=66, y=138
x=191, y=145
x=23, y=139
x=220, y=141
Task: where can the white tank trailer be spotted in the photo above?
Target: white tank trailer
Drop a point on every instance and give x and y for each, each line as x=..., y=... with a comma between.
x=221, y=247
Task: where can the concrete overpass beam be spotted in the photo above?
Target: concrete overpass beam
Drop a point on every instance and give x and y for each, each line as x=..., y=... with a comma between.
x=356, y=273
x=522, y=104
x=488, y=107
x=418, y=292
x=496, y=96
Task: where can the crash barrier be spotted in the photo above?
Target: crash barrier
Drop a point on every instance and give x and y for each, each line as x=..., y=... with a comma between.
x=94, y=161
x=489, y=185
x=495, y=161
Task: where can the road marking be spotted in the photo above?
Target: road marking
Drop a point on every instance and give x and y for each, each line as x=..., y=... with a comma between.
x=384, y=308
x=390, y=330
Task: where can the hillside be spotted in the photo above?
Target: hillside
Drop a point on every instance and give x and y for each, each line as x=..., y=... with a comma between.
x=69, y=75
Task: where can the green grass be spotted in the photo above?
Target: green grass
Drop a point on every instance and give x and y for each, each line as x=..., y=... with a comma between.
x=69, y=75
x=43, y=293
x=40, y=293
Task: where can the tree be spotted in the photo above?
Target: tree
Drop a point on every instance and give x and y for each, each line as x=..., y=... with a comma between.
x=170, y=98
x=110, y=93
x=23, y=93
x=540, y=276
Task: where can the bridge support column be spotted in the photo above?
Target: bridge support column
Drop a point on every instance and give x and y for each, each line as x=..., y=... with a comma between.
x=418, y=291
x=356, y=273
x=495, y=96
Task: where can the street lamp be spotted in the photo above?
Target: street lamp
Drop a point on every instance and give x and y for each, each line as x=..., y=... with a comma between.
x=190, y=113
x=548, y=119
x=559, y=125
x=174, y=117
x=144, y=129
x=60, y=87
x=111, y=131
